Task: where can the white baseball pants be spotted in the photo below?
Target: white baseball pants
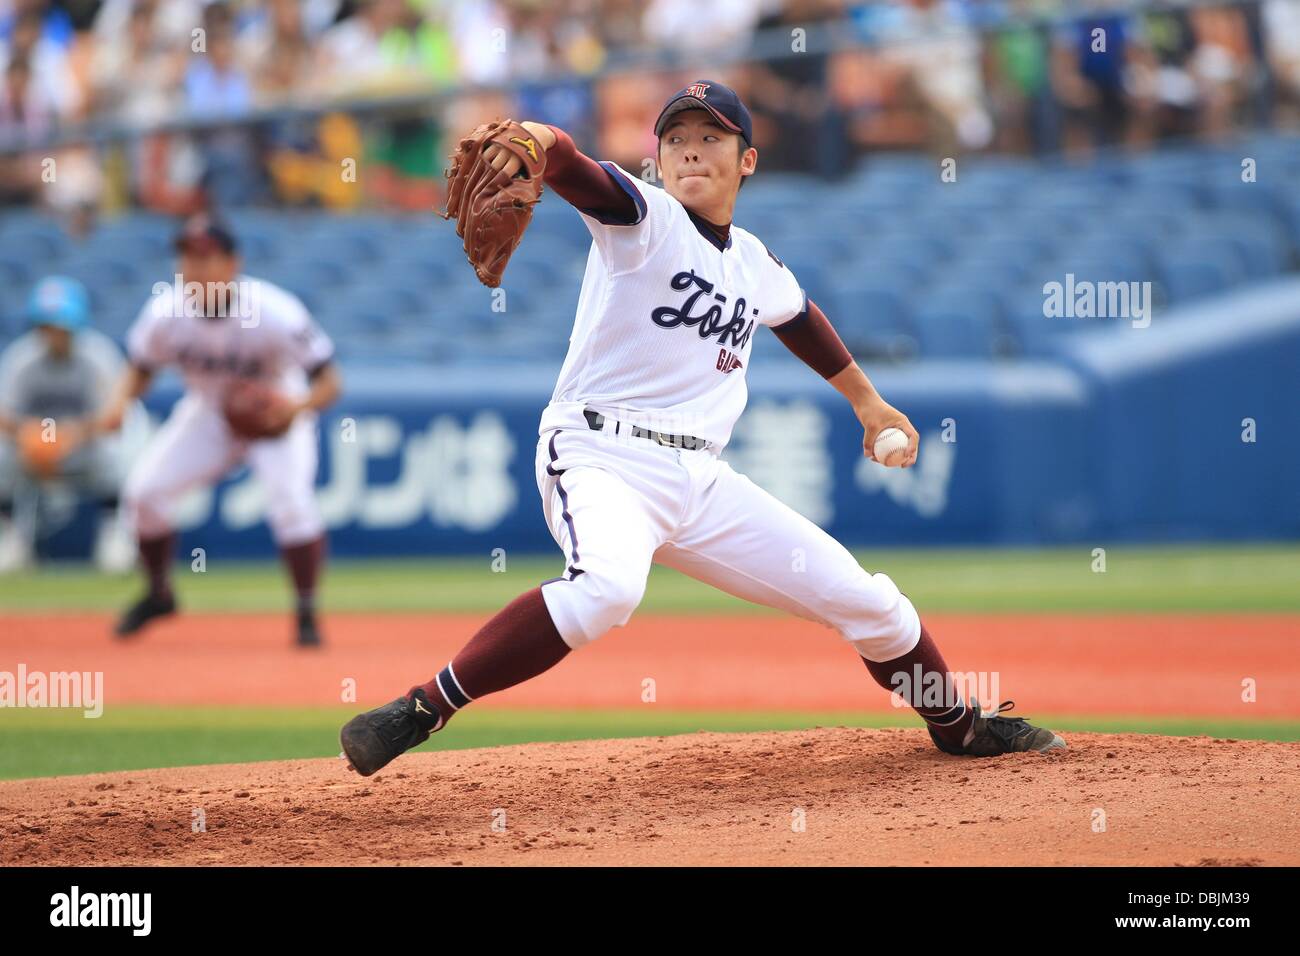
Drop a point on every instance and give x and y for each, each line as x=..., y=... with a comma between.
x=617, y=504
x=195, y=447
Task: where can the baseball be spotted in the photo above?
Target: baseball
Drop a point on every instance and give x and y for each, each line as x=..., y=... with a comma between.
x=890, y=447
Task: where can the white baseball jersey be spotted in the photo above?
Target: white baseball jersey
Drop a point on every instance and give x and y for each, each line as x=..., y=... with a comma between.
x=665, y=321
x=268, y=335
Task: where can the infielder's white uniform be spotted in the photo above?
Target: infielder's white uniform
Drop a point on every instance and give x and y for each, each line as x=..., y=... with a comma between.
x=662, y=339
x=270, y=338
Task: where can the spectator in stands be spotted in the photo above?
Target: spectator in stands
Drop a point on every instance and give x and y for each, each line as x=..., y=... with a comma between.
x=618, y=28
x=53, y=380
x=173, y=22
x=55, y=24
x=717, y=27
x=25, y=117
x=45, y=51
x=215, y=83
x=942, y=54
x=217, y=86
x=1026, y=115
x=1091, y=64
x=1282, y=38
x=1164, y=73
x=277, y=53
x=480, y=31
x=133, y=78
x=1221, y=66
x=796, y=123
x=351, y=56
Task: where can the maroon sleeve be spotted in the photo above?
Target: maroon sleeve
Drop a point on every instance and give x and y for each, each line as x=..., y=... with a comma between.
x=811, y=336
x=587, y=185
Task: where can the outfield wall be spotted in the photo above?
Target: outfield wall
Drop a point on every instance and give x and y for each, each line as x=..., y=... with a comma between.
x=1135, y=435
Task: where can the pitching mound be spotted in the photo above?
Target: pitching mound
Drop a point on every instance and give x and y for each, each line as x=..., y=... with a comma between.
x=837, y=795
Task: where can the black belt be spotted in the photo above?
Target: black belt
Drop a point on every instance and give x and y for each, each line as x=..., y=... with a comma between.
x=688, y=442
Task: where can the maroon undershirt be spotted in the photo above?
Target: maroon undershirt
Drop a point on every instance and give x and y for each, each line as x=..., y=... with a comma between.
x=585, y=185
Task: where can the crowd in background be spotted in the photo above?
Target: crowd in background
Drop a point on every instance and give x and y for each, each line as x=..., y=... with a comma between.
x=945, y=75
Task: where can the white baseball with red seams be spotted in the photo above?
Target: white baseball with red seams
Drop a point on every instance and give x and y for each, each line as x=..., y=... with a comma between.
x=890, y=447
x=662, y=339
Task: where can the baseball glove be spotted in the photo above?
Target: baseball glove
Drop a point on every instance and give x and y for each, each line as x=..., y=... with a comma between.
x=491, y=209
x=254, y=410
x=42, y=451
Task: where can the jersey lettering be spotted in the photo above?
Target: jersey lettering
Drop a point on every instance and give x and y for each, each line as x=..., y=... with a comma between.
x=709, y=322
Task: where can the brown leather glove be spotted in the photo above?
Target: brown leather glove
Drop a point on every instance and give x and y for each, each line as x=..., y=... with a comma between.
x=491, y=209
x=254, y=410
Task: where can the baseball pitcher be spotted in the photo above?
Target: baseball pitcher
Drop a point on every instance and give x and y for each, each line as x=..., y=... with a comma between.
x=628, y=463
x=257, y=370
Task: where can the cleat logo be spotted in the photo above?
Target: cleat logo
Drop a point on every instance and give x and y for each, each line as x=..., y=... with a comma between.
x=421, y=708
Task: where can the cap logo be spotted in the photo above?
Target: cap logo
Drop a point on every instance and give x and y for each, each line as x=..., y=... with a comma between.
x=697, y=90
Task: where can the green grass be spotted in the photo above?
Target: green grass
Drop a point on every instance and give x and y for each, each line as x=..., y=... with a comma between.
x=48, y=742
x=52, y=742
x=1228, y=579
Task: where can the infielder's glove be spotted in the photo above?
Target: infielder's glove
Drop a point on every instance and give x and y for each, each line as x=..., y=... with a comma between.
x=42, y=450
x=254, y=410
x=491, y=209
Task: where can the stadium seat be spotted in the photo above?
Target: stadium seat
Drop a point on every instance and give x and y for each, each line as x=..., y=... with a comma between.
x=903, y=263
x=874, y=320
x=1188, y=275
x=956, y=325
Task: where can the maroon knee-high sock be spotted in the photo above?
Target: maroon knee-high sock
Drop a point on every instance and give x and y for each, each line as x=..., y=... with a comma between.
x=304, y=563
x=156, y=559
x=922, y=679
x=520, y=642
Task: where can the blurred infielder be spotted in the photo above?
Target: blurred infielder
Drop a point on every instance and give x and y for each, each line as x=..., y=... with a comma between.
x=627, y=459
x=257, y=369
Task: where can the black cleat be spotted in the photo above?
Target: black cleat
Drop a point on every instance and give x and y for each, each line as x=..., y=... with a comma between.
x=373, y=739
x=1002, y=735
x=308, y=633
x=143, y=611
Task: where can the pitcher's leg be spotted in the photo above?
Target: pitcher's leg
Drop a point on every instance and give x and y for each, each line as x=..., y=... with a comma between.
x=743, y=540
x=608, y=533
x=607, y=538
x=748, y=543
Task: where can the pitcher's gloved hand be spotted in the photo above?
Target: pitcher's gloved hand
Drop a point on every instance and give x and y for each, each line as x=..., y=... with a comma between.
x=494, y=181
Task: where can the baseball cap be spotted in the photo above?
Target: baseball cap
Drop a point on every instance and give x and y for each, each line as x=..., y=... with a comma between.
x=202, y=234
x=719, y=100
x=59, y=301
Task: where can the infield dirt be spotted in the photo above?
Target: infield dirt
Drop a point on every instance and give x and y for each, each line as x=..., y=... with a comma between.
x=1130, y=664
x=861, y=797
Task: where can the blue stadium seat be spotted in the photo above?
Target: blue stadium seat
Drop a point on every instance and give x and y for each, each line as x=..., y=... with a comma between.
x=956, y=325
x=873, y=319
x=901, y=261
x=1034, y=335
x=1189, y=274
